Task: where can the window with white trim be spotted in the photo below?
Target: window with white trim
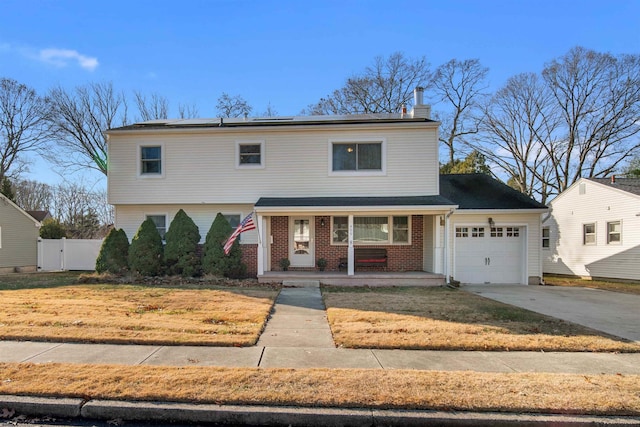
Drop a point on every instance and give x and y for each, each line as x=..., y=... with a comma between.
x=150, y=160
x=250, y=154
x=234, y=221
x=614, y=233
x=546, y=238
x=160, y=222
x=372, y=230
x=589, y=234
x=357, y=156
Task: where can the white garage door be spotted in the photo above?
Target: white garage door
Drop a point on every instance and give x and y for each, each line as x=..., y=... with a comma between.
x=489, y=254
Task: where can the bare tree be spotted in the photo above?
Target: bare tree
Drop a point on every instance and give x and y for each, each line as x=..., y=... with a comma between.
x=597, y=97
x=188, y=111
x=461, y=86
x=383, y=87
x=33, y=195
x=233, y=106
x=153, y=107
x=79, y=118
x=517, y=130
x=22, y=125
x=270, y=111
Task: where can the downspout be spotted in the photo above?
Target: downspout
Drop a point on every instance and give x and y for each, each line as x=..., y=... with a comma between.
x=445, y=258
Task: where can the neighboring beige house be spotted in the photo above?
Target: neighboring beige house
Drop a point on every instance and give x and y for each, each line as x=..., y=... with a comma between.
x=593, y=230
x=18, y=238
x=331, y=187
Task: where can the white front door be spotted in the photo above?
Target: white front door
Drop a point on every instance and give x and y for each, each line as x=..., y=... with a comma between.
x=301, y=242
x=489, y=255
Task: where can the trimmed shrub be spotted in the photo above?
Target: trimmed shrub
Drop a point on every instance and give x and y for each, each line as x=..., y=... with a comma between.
x=182, y=240
x=114, y=252
x=214, y=260
x=145, y=252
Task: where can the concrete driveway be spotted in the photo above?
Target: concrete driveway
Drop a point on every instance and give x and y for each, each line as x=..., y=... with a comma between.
x=611, y=312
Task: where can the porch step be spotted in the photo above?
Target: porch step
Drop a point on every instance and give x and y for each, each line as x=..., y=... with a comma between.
x=301, y=283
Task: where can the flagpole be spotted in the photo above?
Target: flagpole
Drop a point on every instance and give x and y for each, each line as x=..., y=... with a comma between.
x=258, y=225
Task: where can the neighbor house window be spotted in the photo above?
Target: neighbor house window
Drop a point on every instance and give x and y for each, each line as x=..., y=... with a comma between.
x=614, y=232
x=160, y=222
x=589, y=234
x=250, y=154
x=357, y=156
x=372, y=230
x=151, y=160
x=546, y=237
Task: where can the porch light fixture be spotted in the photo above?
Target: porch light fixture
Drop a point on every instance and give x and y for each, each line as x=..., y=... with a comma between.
x=321, y=222
x=491, y=222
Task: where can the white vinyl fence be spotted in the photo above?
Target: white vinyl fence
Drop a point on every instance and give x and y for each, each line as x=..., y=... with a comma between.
x=68, y=254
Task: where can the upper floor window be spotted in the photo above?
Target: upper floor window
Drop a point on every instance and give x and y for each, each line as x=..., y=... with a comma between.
x=160, y=222
x=589, y=234
x=546, y=237
x=250, y=154
x=614, y=232
x=357, y=157
x=151, y=160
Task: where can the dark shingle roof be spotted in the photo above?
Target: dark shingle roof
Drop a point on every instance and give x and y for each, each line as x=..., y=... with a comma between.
x=353, y=201
x=39, y=215
x=630, y=185
x=480, y=191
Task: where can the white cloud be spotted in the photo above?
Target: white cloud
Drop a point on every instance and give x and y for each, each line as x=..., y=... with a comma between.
x=62, y=57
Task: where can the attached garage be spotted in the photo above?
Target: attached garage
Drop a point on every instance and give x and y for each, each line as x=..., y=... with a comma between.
x=485, y=254
x=495, y=234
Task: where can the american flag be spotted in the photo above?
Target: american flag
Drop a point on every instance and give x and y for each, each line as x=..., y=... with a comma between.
x=245, y=225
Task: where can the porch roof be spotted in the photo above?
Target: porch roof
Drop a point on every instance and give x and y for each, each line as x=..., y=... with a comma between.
x=351, y=204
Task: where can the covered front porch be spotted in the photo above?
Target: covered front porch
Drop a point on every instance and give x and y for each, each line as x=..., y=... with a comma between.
x=325, y=238
x=335, y=278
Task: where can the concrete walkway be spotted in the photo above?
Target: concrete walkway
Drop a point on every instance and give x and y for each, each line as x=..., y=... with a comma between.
x=612, y=312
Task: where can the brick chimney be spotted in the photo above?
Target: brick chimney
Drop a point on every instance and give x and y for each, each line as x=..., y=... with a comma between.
x=420, y=110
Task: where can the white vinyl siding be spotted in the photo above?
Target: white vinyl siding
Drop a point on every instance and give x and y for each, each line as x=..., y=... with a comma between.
x=129, y=218
x=601, y=205
x=202, y=167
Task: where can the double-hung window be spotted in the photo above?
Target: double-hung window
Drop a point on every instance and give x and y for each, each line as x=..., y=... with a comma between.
x=614, y=232
x=357, y=157
x=546, y=238
x=589, y=234
x=160, y=222
x=250, y=154
x=151, y=160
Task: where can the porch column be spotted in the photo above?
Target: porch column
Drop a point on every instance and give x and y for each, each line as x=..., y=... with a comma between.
x=261, y=242
x=350, y=256
x=445, y=256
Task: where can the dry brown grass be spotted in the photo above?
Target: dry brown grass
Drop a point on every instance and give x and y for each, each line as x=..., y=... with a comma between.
x=443, y=319
x=136, y=314
x=545, y=393
x=628, y=287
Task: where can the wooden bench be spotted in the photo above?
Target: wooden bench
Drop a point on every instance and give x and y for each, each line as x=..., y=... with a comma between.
x=366, y=257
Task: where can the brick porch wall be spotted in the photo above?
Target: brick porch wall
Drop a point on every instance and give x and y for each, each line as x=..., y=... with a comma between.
x=400, y=257
x=250, y=259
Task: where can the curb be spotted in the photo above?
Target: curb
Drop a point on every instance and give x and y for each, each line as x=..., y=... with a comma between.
x=288, y=416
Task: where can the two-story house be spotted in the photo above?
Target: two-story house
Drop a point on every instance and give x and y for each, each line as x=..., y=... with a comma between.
x=326, y=187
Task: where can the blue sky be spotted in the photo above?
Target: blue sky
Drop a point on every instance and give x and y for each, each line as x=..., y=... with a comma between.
x=287, y=53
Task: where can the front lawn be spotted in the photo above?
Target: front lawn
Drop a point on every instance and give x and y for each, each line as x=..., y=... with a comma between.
x=187, y=314
x=447, y=319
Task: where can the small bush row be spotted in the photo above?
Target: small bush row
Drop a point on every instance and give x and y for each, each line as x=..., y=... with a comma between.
x=178, y=256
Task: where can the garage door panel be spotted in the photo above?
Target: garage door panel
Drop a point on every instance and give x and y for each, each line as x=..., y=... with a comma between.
x=489, y=255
